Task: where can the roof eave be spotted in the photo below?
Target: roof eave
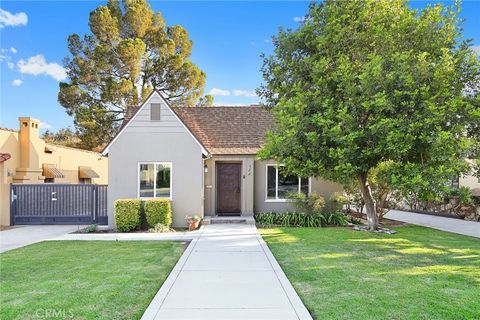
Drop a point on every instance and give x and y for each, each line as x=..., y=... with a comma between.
x=106, y=150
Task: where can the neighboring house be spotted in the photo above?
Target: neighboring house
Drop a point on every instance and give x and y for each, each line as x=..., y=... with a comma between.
x=203, y=159
x=471, y=182
x=25, y=158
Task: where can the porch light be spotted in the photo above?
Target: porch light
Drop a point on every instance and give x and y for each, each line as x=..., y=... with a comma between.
x=205, y=168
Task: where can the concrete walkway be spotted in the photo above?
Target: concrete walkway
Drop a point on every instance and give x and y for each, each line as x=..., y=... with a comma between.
x=227, y=272
x=20, y=236
x=133, y=236
x=468, y=228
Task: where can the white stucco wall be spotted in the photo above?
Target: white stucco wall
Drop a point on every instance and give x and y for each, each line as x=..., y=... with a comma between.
x=166, y=140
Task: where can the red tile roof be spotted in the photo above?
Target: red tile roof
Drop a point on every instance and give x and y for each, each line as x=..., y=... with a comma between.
x=4, y=157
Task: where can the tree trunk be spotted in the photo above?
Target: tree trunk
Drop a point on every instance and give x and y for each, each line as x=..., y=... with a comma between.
x=369, y=203
x=380, y=205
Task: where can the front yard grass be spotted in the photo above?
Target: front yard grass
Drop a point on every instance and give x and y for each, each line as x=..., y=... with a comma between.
x=418, y=273
x=84, y=279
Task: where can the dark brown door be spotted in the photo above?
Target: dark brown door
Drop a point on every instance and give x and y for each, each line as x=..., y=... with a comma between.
x=228, y=188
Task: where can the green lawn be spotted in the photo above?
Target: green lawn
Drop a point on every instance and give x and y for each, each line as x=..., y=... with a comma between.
x=84, y=279
x=418, y=273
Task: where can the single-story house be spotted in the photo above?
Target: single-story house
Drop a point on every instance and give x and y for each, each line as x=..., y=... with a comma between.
x=202, y=158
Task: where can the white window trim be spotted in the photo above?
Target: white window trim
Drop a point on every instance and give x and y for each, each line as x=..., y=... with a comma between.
x=155, y=163
x=276, y=184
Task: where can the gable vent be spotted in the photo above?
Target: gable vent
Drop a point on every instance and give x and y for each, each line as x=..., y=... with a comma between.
x=155, y=111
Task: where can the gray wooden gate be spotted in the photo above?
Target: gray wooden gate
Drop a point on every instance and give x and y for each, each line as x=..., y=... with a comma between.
x=58, y=204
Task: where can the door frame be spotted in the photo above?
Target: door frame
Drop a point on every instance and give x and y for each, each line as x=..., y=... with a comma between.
x=217, y=198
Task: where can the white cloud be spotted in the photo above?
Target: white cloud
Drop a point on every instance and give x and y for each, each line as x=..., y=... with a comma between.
x=476, y=49
x=37, y=65
x=244, y=93
x=267, y=40
x=219, y=92
x=17, y=82
x=15, y=19
x=45, y=125
x=299, y=19
x=13, y=50
x=10, y=65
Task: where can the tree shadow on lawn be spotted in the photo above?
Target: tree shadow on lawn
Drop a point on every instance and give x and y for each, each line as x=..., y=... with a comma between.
x=416, y=273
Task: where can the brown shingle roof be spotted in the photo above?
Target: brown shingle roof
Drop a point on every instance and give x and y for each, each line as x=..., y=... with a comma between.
x=228, y=130
x=232, y=130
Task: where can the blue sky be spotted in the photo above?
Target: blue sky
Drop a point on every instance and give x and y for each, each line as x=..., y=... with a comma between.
x=228, y=39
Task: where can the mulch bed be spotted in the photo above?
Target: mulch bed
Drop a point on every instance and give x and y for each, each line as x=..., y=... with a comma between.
x=384, y=222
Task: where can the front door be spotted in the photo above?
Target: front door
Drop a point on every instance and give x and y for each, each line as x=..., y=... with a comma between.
x=229, y=188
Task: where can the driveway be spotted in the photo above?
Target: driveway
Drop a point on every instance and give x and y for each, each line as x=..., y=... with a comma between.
x=20, y=236
x=227, y=272
x=468, y=228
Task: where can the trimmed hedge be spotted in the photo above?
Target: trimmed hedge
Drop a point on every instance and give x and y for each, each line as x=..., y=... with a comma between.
x=158, y=211
x=128, y=213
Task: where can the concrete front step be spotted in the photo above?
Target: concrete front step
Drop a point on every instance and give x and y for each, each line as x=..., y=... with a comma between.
x=225, y=220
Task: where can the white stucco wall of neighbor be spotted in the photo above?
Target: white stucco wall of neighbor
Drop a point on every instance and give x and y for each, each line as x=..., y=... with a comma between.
x=164, y=140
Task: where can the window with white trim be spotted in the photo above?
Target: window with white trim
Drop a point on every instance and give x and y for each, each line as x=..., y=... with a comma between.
x=280, y=183
x=155, y=180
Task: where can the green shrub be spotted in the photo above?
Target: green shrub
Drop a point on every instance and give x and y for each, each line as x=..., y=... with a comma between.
x=311, y=203
x=300, y=219
x=335, y=218
x=465, y=194
x=158, y=211
x=127, y=214
x=265, y=218
x=337, y=201
x=160, y=228
x=90, y=228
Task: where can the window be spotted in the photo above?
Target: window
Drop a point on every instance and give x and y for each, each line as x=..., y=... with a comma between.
x=155, y=180
x=85, y=181
x=280, y=183
x=155, y=111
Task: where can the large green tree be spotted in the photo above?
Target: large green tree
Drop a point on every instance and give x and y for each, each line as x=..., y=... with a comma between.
x=129, y=53
x=360, y=83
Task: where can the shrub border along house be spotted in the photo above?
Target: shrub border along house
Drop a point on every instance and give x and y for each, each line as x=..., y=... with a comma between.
x=128, y=214
x=310, y=213
x=300, y=219
x=135, y=214
x=158, y=211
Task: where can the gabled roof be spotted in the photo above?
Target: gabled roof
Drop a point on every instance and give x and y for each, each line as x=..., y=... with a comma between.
x=132, y=113
x=228, y=130
x=219, y=130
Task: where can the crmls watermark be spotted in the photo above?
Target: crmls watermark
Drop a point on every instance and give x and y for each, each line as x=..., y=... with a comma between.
x=54, y=314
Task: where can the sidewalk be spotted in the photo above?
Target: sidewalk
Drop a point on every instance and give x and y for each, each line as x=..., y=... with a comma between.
x=468, y=228
x=227, y=272
x=21, y=236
